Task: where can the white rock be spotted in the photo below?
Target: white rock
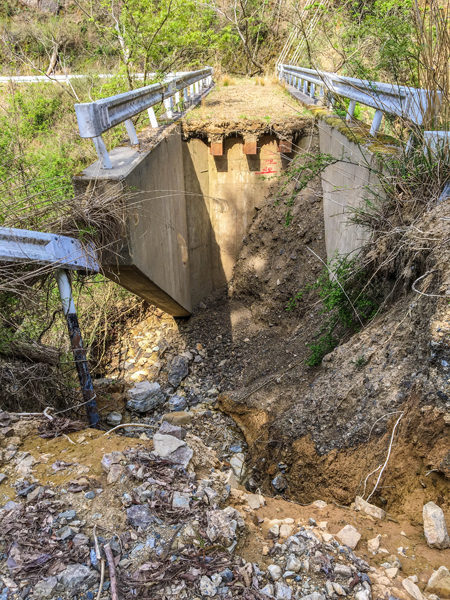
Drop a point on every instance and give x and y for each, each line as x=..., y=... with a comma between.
x=207, y=588
x=286, y=530
x=343, y=570
x=237, y=463
x=339, y=589
x=319, y=504
x=374, y=544
x=412, y=589
x=370, y=509
x=434, y=526
x=327, y=537
x=349, y=536
x=255, y=501
x=172, y=448
x=293, y=564
x=268, y=590
x=362, y=595
x=275, y=572
x=392, y=572
x=274, y=531
x=329, y=587
x=439, y=582
x=282, y=591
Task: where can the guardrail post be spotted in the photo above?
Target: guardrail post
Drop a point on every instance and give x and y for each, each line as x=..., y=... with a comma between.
x=76, y=341
x=376, y=122
x=152, y=117
x=312, y=90
x=185, y=96
x=350, y=111
x=305, y=87
x=177, y=99
x=168, y=106
x=131, y=132
x=102, y=152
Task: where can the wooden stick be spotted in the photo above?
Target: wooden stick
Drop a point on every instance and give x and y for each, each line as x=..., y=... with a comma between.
x=112, y=571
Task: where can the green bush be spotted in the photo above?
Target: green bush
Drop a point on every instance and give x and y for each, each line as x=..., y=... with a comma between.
x=349, y=300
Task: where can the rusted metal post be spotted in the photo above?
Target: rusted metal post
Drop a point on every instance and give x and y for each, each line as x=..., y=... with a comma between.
x=76, y=341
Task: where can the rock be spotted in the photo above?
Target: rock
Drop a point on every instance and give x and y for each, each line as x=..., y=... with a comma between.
x=111, y=458
x=114, y=418
x=65, y=533
x=69, y=515
x=434, y=526
x=80, y=539
x=181, y=501
x=319, y=504
x=293, y=564
x=45, y=587
x=370, y=509
x=412, y=589
x=254, y=501
x=282, y=591
x=223, y=524
x=207, y=587
x=89, y=495
x=25, y=464
x=313, y=596
x=144, y=397
x=363, y=595
x=286, y=530
x=392, y=572
x=179, y=369
x=237, y=463
x=374, y=544
x=3, y=477
x=177, y=403
x=275, y=572
x=342, y=570
x=349, y=536
x=274, y=531
x=439, y=582
x=173, y=449
x=115, y=473
x=178, y=418
x=169, y=429
x=339, y=589
x=139, y=516
x=279, y=483
x=227, y=575
x=329, y=587
x=268, y=590
x=77, y=578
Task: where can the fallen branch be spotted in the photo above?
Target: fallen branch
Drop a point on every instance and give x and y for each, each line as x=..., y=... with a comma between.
x=127, y=425
x=112, y=571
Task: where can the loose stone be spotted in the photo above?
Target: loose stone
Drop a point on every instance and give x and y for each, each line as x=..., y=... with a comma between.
x=434, y=526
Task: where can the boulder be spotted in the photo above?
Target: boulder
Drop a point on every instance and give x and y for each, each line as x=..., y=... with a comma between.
x=139, y=516
x=179, y=369
x=172, y=449
x=77, y=578
x=439, y=583
x=222, y=525
x=412, y=589
x=349, y=536
x=370, y=509
x=434, y=526
x=144, y=397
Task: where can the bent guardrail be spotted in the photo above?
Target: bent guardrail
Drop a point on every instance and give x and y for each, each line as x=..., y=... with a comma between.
x=62, y=253
x=410, y=103
x=94, y=118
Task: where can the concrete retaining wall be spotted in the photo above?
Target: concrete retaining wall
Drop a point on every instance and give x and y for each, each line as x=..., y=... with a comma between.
x=346, y=185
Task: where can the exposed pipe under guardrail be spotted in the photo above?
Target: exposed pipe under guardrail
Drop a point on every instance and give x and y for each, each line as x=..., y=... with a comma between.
x=402, y=101
x=94, y=118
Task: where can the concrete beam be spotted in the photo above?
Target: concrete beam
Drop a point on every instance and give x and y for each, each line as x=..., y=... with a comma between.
x=285, y=146
x=216, y=147
x=250, y=145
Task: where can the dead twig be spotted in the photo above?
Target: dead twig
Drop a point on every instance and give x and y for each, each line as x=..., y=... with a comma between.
x=112, y=571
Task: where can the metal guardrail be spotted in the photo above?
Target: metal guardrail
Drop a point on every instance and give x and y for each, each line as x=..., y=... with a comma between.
x=402, y=101
x=62, y=253
x=94, y=118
